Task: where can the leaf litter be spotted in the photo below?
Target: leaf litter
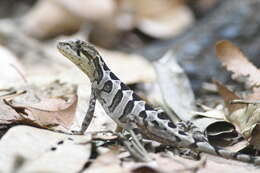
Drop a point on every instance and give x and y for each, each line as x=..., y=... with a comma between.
x=41, y=105
x=245, y=115
x=42, y=109
x=45, y=105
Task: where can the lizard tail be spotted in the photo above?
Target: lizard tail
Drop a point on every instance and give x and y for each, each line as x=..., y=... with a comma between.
x=207, y=148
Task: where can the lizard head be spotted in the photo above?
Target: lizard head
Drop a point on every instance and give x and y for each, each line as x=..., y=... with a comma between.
x=84, y=55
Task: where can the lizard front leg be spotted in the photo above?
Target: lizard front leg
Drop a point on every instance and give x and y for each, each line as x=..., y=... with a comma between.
x=89, y=115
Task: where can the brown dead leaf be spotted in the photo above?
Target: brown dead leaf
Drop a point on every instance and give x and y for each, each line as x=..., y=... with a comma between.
x=228, y=96
x=47, y=106
x=244, y=115
x=46, y=115
x=235, y=61
x=246, y=119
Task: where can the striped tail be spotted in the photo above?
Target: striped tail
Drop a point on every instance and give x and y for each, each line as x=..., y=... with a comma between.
x=207, y=148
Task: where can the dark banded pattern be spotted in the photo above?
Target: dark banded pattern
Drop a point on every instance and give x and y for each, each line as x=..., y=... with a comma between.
x=129, y=107
x=99, y=70
x=123, y=102
x=127, y=110
x=113, y=76
x=116, y=100
x=143, y=114
x=108, y=85
x=171, y=125
x=163, y=116
x=124, y=87
x=155, y=123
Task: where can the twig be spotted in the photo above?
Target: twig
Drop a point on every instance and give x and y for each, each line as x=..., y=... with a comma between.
x=12, y=94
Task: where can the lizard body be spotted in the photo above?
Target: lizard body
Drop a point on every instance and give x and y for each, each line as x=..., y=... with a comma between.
x=131, y=112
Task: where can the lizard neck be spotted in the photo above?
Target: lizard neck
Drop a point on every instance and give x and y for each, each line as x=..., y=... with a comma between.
x=98, y=72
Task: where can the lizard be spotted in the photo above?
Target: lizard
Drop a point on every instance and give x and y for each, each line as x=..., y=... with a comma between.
x=130, y=112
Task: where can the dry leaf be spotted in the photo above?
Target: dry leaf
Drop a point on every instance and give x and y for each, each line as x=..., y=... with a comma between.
x=174, y=84
x=228, y=96
x=246, y=119
x=63, y=114
x=51, y=105
x=222, y=133
x=235, y=61
x=244, y=116
x=43, y=151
